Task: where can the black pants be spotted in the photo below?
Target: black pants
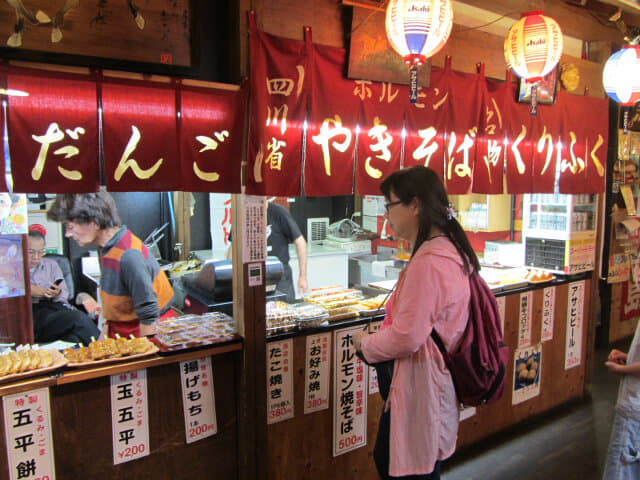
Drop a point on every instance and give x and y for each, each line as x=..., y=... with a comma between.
x=381, y=449
x=53, y=321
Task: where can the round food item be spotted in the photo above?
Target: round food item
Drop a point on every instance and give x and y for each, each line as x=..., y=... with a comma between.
x=523, y=375
x=534, y=366
x=532, y=374
x=521, y=366
x=530, y=361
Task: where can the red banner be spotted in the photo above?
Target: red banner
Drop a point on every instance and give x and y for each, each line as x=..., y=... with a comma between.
x=488, y=174
x=425, y=125
x=279, y=96
x=465, y=101
x=211, y=139
x=139, y=138
x=380, y=139
x=53, y=132
x=331, y=134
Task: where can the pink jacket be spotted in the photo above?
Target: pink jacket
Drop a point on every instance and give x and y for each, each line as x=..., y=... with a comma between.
x=432, y=290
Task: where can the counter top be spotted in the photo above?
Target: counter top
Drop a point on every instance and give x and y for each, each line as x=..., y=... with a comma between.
x=69, y=375
x=316, y=250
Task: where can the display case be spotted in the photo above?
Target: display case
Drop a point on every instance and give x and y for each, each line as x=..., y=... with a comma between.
x=483, y=213
x=559, y=232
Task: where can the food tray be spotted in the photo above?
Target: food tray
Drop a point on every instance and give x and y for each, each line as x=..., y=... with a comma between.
x=59, y=361
x=107, y=361
x=371, y=313
x=546, y=280
x=193, y=345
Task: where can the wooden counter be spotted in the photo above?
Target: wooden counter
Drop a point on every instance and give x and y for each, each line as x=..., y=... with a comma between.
x=302, y=446
x=81, y=420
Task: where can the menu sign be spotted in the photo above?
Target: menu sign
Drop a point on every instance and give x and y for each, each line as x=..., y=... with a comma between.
x=349, y=399
x=198, y=400
x=129, y=416
x=27, y=429
x=279, y=381
x=575, y=324
x=316, y=392
x=525, y=317
x=548, y=312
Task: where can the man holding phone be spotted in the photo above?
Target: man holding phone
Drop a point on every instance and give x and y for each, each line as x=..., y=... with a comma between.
x=53, y=317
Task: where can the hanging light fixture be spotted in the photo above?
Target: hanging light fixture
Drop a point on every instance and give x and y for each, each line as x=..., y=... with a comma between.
x=532, y=49
x=621, y=79
x=417, y=30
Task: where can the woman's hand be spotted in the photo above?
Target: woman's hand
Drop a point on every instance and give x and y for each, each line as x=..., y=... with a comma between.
x=616, y=368
x=616, y=356
x=357, y=337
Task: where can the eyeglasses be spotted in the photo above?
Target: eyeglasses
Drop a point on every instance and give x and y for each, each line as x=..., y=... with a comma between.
x=38, y=253
x=387, y=206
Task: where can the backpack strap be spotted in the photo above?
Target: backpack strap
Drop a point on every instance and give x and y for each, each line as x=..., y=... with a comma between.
x=438, y=341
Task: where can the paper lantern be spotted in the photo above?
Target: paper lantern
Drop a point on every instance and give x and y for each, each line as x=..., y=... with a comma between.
x=416, y=29
x=621, y=75
x=533, y=46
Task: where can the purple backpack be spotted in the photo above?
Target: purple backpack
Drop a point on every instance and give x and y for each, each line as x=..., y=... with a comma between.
x=478, y=364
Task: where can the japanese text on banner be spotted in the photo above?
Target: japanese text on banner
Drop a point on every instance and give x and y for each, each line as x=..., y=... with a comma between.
x=198, y=400
x=279, y=381
x=575, y=323
x=316, y=393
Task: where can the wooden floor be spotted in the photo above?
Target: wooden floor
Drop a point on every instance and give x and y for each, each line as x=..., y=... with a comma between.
x=566, y=444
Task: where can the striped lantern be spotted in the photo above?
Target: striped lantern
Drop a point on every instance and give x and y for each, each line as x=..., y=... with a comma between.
x=533, y=46
x=417, y=29
x=621, y=75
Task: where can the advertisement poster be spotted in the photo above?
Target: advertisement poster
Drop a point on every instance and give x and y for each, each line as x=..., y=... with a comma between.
x=630, y=300
x=525, y=317
x=13, y=213
x=548, y=313
x=619, y=268
x=198, y=400
x=27, y=429
x=316, y=389
x=279, y=381
x=349, y=395
x=527, y=368
x=11, y=267
x=575, y=325
x=129, y=416
x=373, y=375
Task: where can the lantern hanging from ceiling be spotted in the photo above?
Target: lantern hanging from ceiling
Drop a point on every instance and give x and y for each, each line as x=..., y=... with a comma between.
x=621, y=78
x=418, y=29
x=532, y=49
x=533, y=46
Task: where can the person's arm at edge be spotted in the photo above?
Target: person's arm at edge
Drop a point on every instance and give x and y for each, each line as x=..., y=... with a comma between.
x=301, y=249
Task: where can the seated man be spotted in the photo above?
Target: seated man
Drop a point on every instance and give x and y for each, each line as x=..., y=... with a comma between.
x=53, y=317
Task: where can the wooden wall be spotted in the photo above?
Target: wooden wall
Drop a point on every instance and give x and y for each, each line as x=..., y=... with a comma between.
x=302, y=446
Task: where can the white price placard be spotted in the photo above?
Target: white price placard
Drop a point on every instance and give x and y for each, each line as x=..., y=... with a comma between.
x=548, y=313
x=349, y=395
x=129, y=416
x=502, y=307
x=254, y=229
x=198, y=399
x=279, y=381
x=575, y=325
x=524, y=319
x=27, y=429
x=317, y=361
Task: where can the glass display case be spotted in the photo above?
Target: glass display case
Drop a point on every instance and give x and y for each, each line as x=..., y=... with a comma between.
x=559, y=232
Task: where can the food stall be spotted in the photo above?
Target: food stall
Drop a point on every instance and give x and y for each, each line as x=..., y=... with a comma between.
x=262, y=432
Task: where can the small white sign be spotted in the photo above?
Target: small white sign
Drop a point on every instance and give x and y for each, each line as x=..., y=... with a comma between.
x=316, y=391
x=349, y=395
x=279, y=381
x=575, y=324
x=27, y=429
x=198, y=399
x=254, y=229
x=502, y=307
x=548, y=313
x=527, y=369
x=129, y=416
x=466, y=412
x=525, y=317
x=373, y=374
x=255, y=274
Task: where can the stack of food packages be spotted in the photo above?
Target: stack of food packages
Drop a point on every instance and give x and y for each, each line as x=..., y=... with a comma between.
x=280, y=317
x=107, y=349
x=340, y=303
x=374, y=304
x=195, y=330
x=24, y=358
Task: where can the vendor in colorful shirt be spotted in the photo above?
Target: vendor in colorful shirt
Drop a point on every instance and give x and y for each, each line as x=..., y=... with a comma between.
x=134, y=292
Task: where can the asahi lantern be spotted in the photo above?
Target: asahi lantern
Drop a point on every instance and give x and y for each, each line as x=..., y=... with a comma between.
x=621, y=78
x=533, y=48
x=418, y=30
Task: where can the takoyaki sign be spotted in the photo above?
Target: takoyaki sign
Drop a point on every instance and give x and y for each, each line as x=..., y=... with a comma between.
x=527, y=368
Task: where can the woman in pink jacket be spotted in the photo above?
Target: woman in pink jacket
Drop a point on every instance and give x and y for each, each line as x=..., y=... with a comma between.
x=419, y=422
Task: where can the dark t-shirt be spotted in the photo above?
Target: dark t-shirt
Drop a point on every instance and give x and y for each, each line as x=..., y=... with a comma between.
x=281, y=231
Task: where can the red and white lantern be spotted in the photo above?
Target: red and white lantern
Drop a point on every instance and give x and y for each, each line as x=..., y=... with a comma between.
x=533, y=46
x=621, y=76
x=418, y=29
